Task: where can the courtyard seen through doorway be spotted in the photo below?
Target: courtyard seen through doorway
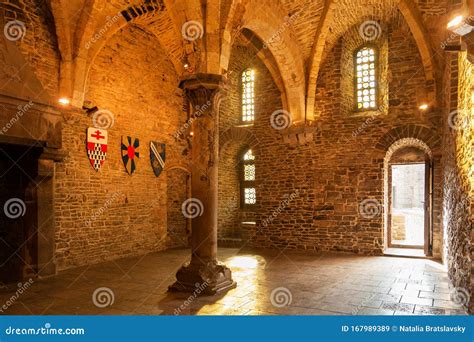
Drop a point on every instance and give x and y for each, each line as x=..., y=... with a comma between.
x=408, y=205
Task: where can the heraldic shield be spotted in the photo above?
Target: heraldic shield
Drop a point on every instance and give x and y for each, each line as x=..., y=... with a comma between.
x=157, y=157
x=96, y=146
x=130, y=153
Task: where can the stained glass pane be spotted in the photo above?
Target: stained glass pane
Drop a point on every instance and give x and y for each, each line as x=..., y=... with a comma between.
x=250, y=196
x=249, y=155
x=248, y=109
x=249, y=172
x=366, y=79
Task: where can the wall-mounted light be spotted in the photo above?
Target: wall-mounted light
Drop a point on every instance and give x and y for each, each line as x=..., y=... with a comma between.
x=191, y=134
x=185, y=61
x=64, y=101
x=455, y=21
x=423, y=106
x=460, y=25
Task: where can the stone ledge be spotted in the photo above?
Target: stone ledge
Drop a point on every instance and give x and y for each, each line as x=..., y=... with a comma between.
x=300, y=134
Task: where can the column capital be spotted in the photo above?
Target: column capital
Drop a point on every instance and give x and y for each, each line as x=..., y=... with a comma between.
x=207, y=81
x=204, y=92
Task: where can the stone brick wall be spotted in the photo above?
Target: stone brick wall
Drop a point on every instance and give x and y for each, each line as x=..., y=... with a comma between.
x=330, y=175
x=39, y=44
x=229, y=192
x=109, y=214
x=231, y=215
x=341, y=167
x=458, y=163
x=398, y=227
x=349, y=44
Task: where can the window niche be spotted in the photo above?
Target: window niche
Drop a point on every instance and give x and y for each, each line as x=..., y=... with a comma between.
x=364, y=75
x=248, y=195
x=248, y=96
x=366, y=86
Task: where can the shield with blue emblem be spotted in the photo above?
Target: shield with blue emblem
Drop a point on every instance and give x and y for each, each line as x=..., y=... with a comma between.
x=157, y=157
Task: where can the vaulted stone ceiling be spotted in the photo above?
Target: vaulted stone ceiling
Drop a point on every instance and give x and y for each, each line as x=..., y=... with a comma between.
x=304, y=17
x=346, y=15
x=298, y=33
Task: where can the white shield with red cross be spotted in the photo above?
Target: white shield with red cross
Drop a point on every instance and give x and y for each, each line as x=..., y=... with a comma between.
x=96, y=146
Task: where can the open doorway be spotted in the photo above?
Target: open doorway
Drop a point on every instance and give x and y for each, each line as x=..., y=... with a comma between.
x=408, y=202
x=408, y=206
x=18, y=219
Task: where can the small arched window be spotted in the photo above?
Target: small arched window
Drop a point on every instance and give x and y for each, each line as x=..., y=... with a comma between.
x=366, y=73
x=248, y=195
x=248, y=96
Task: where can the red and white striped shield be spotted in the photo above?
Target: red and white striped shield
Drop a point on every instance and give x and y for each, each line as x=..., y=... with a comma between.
x=96, y=146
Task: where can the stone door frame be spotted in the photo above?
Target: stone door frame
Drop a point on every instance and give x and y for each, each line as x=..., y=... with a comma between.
x=428, y=225
x=37, y=125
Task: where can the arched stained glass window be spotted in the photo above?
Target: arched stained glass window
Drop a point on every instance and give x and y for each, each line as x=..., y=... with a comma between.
x=366, y=91
x=248, y=96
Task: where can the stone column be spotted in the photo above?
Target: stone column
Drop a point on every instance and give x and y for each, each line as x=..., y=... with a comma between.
x=204, y=271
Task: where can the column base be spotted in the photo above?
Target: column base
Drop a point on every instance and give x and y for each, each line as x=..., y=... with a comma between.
x=211, y=278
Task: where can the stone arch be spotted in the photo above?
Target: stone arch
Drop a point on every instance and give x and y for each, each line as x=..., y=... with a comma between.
x=414, y=20
x=176, y=165
x=233, y=217
x=316, y=55
x=407, y=142
x=92, y=36
x=241, y=134
x=426, y=135
x=268, y=60
x=270, y=25
x=398, y=145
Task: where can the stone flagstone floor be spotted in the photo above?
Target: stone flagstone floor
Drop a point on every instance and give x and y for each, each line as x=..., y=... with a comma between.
x=269, y=283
